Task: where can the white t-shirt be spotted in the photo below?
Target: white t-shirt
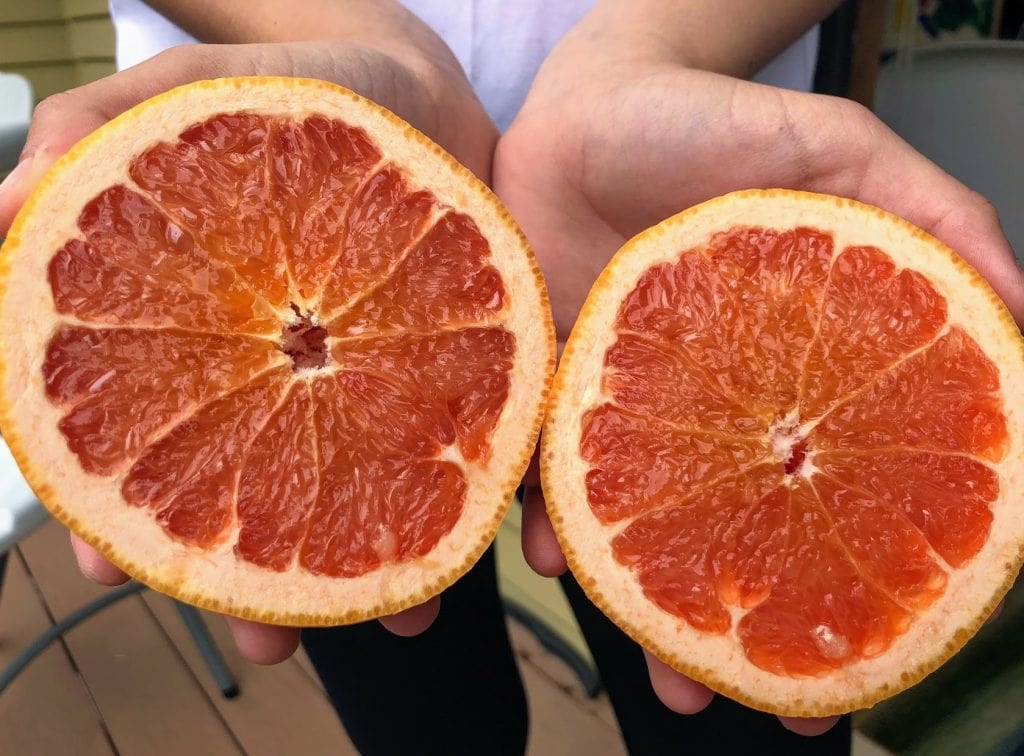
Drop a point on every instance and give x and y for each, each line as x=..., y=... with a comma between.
x=500, y=44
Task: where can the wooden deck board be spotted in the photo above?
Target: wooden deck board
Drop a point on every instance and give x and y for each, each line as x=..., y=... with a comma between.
x=529, y=650
x=146, y=695
x=280, y=709
x=559, y=725
x=47, y=709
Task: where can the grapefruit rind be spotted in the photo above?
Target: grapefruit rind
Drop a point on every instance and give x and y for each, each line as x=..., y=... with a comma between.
x=92, y=507
x=718, y=661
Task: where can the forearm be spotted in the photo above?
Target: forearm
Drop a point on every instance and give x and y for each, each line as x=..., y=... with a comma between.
x=381, y=25
x=241, y=21
x=733, y=37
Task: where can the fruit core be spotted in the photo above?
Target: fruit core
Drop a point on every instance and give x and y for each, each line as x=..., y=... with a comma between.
x=789, y=442
x=304, y=341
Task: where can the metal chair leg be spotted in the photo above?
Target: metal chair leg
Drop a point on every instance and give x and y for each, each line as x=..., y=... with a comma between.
x=36, y=647
x=208, y=649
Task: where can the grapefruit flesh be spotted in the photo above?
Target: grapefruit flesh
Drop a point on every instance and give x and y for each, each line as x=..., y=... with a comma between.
x=292, y=354
x=797, y=449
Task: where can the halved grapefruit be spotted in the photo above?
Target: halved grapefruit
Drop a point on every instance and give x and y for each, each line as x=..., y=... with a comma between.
x=272, y=351
x=784, y=449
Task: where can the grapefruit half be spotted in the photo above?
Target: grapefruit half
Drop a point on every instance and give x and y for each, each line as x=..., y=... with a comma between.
x=272, y=351
x=784, y=449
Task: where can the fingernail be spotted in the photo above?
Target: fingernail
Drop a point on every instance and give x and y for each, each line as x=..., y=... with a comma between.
x=14, y=176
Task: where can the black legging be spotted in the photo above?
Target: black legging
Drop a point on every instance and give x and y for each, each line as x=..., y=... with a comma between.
x=456, y=690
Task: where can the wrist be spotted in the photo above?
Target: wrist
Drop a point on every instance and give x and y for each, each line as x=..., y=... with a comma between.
x=732, y=37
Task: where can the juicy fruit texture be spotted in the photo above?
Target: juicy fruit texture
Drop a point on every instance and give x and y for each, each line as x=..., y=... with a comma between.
x=275, y=343
x=797, y=445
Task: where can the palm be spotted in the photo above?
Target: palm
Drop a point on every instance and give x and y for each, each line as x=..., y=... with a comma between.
x=584, y=173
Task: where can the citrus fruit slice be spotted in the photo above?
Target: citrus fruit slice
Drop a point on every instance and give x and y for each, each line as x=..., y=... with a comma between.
x=784, y=449
x=272, y=351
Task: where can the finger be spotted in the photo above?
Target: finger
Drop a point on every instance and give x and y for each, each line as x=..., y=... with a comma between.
x=876, y=166
x=996, y=612
x=540, y=545
x=531, y=478
x=809, y=726
x=678, y=692
x=61, y=120
x=33, y=166
x=94, y=565
x=952, y=213
x=415, y=620
x=263, y=644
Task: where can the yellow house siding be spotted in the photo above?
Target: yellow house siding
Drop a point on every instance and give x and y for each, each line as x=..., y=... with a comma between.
x=56, y=44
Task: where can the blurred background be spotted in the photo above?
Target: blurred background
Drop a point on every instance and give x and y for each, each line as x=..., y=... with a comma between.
x=947, y=75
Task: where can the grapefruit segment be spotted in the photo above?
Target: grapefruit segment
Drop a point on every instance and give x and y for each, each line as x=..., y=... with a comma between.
x=822, y=613
x=674, y=463
x=888, y=549
x=274, y=499
x=390, y=418
x=315, y=168
x=284, y=357
x=120, y=388
x=463, y=374
x=785, y=449
x=213, y=180
x=189, y=476
x=381, y=498
x=873, y=314
x=383, y=222
x=675, y=553
x=655, y=378
x=943, y=398
x=675, y=304
x=948, y=497
x=776, y=280
x=444, y=280
x=135, y=267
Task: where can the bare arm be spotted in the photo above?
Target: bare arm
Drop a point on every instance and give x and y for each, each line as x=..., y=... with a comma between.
x=384, y=24
x=733, y=37
x=239, y=21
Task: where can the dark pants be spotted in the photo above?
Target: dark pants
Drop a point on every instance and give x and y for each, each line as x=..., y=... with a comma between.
x=456, y=690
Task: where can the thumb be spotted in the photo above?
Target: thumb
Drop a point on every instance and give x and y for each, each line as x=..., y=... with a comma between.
x=48, y=140
x=61, y=120
x=540, y=544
